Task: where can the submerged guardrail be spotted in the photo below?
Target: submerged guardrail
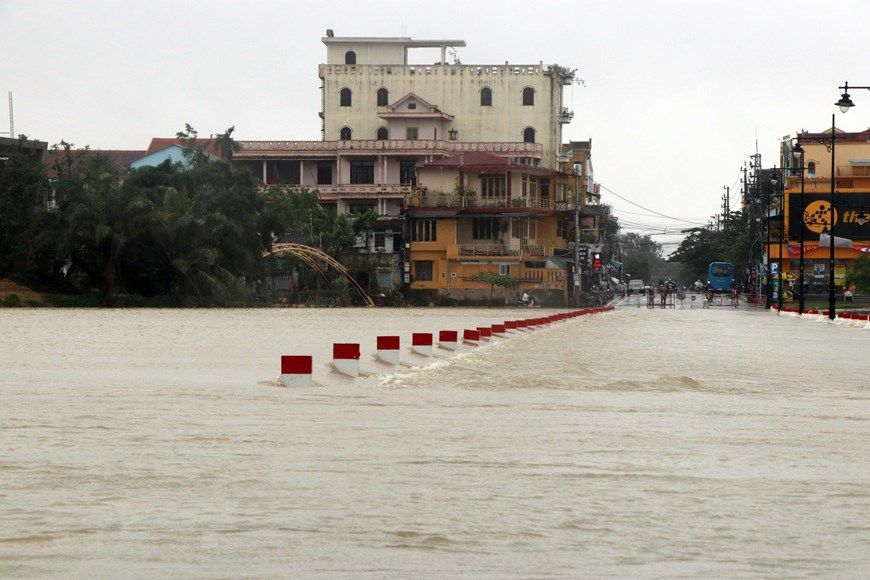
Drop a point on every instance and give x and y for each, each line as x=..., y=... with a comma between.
x=297, y=370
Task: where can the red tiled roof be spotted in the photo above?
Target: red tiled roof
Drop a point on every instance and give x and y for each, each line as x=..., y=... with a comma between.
x=157, y=143
x=119, y=157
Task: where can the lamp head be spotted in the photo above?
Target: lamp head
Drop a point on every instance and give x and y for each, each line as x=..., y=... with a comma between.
x=797, y=151
x=845, y=103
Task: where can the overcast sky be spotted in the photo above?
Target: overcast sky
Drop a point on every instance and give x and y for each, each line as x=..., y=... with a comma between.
x=676, y=91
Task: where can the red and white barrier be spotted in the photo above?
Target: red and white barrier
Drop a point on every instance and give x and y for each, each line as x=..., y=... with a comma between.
x=421, y=343
x=498, y=330
x=448, y=339
x=471, y=337
x=296, y=370
x=485, y=333
x=388, y=349
x=510, y=325
x=345, y=358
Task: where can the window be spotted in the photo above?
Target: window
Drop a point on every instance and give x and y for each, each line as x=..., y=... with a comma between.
x=504, y=269
x=530, y=185
x=383, y=134
x=344, y=134
x=345, y=98
x=383, y=97
x=350, y=57
x=484, y=228
x=528, y=97
x=528, y=135
x=361, y=207
x=423, y=231
x=362, y=171
x=324, y=173
x=423, y=270
x=412, y=106
x=408, y=172
x=811, y=168
x=492, y=186
x=411, y=132
x=524, y=228
x=380, y=240
x=486, y=97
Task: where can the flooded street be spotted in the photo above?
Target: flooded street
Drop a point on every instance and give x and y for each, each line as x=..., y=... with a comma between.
x=637, y=442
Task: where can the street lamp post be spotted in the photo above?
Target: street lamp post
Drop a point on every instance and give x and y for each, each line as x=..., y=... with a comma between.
x=845, y=103
x=768, y=290
x=798, y=153
x=577, y=280
x=779, y=284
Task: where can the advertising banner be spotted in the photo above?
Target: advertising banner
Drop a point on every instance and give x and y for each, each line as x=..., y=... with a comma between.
x=851, y=215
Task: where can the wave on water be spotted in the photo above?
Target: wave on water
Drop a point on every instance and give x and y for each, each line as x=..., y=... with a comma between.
x=665, y=384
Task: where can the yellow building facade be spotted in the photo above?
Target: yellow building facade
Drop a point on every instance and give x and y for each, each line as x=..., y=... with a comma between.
x=811, y=212
x=478, y=212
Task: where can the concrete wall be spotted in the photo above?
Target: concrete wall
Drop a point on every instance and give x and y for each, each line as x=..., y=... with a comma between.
x=366, y=53
x=455, y=90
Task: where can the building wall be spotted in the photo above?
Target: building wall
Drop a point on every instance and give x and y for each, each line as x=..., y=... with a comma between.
x=845, y=153
x=366, y=52
x=174, y=154
x=455, y=90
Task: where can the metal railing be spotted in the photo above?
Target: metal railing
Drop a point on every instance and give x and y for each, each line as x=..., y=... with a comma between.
x=250, y=149
x=476, y=201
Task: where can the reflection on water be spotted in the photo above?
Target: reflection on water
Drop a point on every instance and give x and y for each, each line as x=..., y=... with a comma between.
x=693, y=442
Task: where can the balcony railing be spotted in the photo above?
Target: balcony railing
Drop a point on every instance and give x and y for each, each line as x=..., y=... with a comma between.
x=476, y=201
x=359, y=190
x=565, y=115
x=266, y=149
x=502, y=250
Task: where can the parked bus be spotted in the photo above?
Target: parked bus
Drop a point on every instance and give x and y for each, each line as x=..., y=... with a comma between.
x=720, y=277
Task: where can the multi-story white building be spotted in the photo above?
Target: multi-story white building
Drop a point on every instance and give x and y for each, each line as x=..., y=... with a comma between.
x=383, y=119
x=370, y=91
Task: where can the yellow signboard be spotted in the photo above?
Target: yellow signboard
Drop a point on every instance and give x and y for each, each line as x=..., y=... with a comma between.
x=839, y=275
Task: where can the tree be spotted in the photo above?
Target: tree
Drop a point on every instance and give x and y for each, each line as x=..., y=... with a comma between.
x=493, y=279
x=860, y=277
x=25, y=246
x=709, y=244
x=226, y=144
x=364, y=223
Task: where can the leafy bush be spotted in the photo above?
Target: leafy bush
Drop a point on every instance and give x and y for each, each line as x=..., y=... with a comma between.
x=12, y=300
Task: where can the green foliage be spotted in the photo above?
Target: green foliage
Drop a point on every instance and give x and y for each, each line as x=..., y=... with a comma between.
x=642, y=256
x=705, y=245
x=25, y=223
x=860, y=277
x=12, y=300
x=493, y=279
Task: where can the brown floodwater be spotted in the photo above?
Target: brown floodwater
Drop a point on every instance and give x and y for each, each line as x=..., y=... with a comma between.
x=635, y=443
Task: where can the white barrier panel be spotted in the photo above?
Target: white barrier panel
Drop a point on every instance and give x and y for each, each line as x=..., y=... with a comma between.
x=421, y=343
x=296, y=370
x=388, y=349
x=345, y=358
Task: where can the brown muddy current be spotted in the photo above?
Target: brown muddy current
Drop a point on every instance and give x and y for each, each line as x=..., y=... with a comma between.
x=678, y=443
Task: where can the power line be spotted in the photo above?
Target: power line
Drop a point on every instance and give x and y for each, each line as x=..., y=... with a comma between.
x=648, y=209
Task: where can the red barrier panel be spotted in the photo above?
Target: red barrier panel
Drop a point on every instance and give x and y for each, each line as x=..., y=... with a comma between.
x=388, y=343
x=296, y=364
x=421, y=339
x=345, y=350
x=448, y=336
x=471, y=335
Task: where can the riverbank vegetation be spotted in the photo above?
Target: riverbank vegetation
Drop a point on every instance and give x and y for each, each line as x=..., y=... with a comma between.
x=86, y=232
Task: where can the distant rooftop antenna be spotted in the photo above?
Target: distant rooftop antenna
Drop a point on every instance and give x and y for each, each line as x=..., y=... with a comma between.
x=11, y=118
